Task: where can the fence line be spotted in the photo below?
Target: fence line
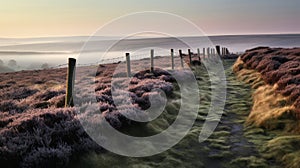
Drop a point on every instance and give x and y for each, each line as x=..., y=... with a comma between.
x=72, y=65
x=206, y=53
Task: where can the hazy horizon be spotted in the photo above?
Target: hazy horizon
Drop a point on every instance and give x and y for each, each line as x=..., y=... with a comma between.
x=83, y=18
x=31, y=53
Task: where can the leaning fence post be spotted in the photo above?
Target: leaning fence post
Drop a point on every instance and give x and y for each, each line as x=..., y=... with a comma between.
x=181, y=58
x=172, y=58
x=190, y=56
x=128, y=64
x=152, y=60
x=70, y=83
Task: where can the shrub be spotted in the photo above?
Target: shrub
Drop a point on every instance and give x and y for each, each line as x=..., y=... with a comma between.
x=39, y=137
x=277, y=66
x=48, y=94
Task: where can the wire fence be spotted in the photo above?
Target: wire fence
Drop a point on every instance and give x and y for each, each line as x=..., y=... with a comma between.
x=114, y=60
x=138, y=56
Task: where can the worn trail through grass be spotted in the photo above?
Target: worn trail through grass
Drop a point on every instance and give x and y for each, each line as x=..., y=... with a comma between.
x=226, y=147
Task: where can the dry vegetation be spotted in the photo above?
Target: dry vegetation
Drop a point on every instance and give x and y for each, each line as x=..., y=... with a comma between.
x=274, y=74
x=36, y=129
x=280, y=67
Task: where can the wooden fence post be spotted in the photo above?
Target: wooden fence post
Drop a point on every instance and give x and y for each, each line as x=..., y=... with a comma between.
x=181, y=58
x=227, y=51
x=128, y=65
x=208, y=52
x=190, y=56
x=70, y=83
x=203, y=52
x=218, y=49
x=172, y=58
x=152, y=60
x=223, y=51
x=198, y=53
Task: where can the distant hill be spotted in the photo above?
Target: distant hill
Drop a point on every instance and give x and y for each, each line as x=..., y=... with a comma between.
x=4, y=69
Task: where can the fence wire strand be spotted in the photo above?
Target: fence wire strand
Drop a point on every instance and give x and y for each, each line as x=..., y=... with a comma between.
x=123, y=59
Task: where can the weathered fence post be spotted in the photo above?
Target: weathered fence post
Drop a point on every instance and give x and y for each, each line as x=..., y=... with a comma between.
x=227, y=51
x=70, y=83
x=223, y=51
x=128, y=65
x=208, y=52
x=203, y=52
x=198, y=53
x=152, y=60
x=172, y=58
x=190, y=56
x=218, y=49
x=181, y=58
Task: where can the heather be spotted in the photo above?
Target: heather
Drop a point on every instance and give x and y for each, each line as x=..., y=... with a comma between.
x=36, y=128
x=273, y=74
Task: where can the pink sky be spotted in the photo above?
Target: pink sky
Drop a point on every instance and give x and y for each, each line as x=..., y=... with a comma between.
x=34, y=18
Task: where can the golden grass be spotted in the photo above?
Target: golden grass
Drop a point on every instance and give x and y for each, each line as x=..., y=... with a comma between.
x=275, y=113
x=270, y=109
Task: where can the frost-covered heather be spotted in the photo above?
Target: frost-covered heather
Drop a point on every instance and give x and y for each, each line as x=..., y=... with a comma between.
x=114, y=103
x=42, y=136
x=36, y=129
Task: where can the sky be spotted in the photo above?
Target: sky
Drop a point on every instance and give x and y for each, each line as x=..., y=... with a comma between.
x=46, y=18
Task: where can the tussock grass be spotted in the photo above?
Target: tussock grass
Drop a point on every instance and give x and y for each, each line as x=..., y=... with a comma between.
x=273, y=75
x=270, y=110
